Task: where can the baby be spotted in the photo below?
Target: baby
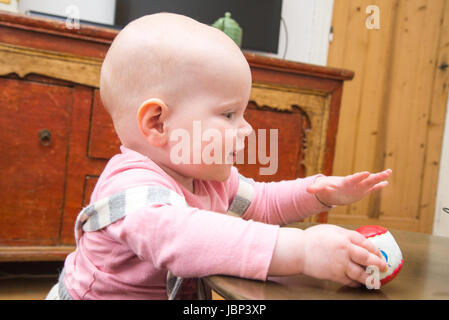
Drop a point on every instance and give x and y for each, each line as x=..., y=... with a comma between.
x=153, y=219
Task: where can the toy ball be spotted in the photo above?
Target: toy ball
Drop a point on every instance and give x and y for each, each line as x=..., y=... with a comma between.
x=384, y=241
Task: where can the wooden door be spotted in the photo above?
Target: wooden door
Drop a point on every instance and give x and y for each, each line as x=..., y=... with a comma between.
x=392, y=113
x=34, y=122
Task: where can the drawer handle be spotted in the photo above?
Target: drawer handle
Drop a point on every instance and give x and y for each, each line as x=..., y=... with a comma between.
x=45, y=137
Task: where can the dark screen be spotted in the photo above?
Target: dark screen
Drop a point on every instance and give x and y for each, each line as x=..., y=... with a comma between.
x=259, y=19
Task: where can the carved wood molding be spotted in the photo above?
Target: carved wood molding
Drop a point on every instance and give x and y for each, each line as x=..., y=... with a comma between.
x=23, y=61
x=315, y=104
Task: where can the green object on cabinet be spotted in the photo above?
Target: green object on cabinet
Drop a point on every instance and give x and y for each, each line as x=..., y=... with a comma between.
x=230, y=27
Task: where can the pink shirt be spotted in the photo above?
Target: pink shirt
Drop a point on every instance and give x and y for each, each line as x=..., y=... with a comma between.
x=130, y=258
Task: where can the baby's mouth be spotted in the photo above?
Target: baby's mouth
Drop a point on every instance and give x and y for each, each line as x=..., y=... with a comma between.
x=232, y=155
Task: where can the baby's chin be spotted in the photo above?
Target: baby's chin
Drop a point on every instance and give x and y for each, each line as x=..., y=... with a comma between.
x=216, y=172
x=226, y=175
x=207, y=172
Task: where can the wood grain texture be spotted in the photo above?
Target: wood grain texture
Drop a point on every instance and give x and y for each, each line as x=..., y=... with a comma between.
x=387, y=111
x=33, y=176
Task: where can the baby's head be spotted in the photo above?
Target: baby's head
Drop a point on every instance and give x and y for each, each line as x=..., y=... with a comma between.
x=165, y=72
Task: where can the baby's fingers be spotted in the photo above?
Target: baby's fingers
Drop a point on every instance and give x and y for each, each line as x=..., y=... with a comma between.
x=375, y=178
x=356, y=273
x=359, y=240
x=379, y=186
x=365, y=258
x=345, y=280
x=357, y=177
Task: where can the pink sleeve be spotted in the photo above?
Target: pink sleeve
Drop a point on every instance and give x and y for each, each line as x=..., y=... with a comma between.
x=283, y=202
x=194, y=243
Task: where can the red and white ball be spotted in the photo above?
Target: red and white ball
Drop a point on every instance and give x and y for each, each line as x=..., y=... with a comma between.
x=385, y=242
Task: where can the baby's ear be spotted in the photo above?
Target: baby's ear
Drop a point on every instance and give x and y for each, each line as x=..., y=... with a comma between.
x=150, y=118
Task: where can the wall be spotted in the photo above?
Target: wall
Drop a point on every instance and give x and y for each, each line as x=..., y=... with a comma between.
x=9, y=5
x=441, y=224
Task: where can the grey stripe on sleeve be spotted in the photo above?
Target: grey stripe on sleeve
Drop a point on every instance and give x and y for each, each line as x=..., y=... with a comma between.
x=156, y=194
x=93, y=221
x=239, y=205
x=117, y=203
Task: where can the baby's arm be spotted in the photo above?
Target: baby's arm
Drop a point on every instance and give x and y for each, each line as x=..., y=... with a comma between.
x=194, y=243
x=284, y=202
x=291, y=200
x=325, y=252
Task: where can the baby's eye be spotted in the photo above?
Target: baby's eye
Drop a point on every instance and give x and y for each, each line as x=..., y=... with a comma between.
x=229, y=115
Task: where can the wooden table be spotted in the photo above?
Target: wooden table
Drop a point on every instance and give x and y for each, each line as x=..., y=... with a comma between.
x=425, y=275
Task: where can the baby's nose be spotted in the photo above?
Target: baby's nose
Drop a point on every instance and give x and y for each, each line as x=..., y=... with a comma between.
x=245, y=129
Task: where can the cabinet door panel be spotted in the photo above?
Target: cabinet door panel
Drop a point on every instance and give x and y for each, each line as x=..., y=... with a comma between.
x=34, y=122
x=283, y=160
x=103, y=141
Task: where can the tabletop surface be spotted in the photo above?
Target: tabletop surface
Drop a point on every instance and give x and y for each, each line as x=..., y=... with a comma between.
x=424, y=275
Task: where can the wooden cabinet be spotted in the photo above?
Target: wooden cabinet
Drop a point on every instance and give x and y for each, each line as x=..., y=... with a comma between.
x=56, y=136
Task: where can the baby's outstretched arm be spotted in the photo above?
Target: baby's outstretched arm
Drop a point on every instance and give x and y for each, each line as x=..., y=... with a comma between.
x=334, y=190
x=325, y=252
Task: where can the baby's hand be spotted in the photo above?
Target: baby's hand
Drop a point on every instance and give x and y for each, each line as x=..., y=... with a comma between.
x=341, y=255
x=346, y=190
